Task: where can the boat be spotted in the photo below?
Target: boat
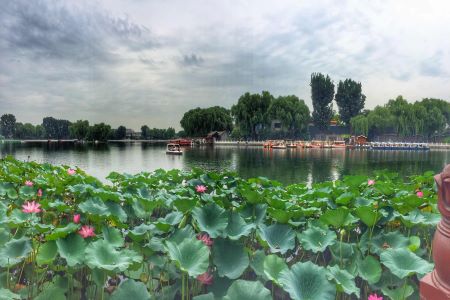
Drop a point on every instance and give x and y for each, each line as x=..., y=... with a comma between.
x=338, y=144
x=268, y=144
x=316, y=144
x=174, y=149
x=279, y=145
x=291, y=144
x=181, y=142
x=399, y=146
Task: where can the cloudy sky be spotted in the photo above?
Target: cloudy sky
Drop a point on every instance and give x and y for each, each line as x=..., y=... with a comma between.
x=137, y=62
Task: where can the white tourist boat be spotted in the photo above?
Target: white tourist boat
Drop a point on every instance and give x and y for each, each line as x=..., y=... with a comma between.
x=174, y=149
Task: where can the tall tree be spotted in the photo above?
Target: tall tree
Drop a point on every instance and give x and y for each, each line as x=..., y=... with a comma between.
x=250, y=113
x=201, y=121
x=8, y=125
x=322, y=93
x=350, y=99
x=292, y=113
x=99, y=132
x=56, y=129
x=79, y=129
x=121, y=132
x=145, y=132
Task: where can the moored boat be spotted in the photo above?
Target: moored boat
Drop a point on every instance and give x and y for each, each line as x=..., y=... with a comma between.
x=279, y=145
x=174, y=149
x=338, y=144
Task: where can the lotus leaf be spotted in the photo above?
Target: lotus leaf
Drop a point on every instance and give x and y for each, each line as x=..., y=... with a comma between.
x=14, y=251
x=237, y=227
x=369, y=269
x=317, y=239
x=230, y=258
x=191, y=256
x=345, y=280
x=72, y=248
x=131, y=289
x=273, y=266
x=279, y=237
x=247, y=290
x=211, y=218
x=100, y=254
x=402, y=262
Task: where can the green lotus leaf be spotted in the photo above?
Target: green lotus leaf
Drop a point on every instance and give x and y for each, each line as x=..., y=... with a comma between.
x=257, y=263
x=138, y=232
x=345, y=198
x=6, y=294
x=280, y=215
x=220, y=286
x=72, y=248
x=230, y=258
x=317, y=239
x=368, y=215
x=169, y=221
x=400, y=293
x=279, y=237
x=181, y=234
x=116, y=211
x=100, y=254
x=255, y=214
x=52, y=291
x=131, y=289
x=414, y=243
x=393, y=239
x=113, y=236
x=184, y=204
x=251, y=196
x=417, y=217
x=191, y=256
x=237, y=227
x=211, y=218
x=338, y=217
x=342, y=250
x=307, y=281
x=369, y=269
x=4, y=236
x=18, y=217
x=61, y=232
x=402, y=263
x=14, y=251
x=273, y=266
x=47, y=253
x=247, y=290
x=96, y=206
x=345, y=280
x=27, y=192
x=209, y=296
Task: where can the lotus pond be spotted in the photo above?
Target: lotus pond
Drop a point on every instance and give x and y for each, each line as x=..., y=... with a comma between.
x=197, y=235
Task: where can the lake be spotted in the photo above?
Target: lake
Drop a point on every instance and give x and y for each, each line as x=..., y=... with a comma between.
x=287, y=165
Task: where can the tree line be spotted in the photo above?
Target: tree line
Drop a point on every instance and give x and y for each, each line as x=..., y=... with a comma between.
x=52, y=128
x=428, y=117
x=254, y=115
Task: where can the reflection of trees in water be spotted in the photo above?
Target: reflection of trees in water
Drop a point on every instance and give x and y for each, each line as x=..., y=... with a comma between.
x=208, y=157
x=402, y=162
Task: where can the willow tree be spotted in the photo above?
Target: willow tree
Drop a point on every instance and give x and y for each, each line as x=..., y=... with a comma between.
x=360, y=125
x=201, y=121
x=349, y=99
x=250, y=113
x=322, y=94
x=292, y=113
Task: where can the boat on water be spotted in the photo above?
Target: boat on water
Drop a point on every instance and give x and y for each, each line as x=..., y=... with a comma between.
x=291, y=144
x=316, y=144
x=338, y=144
x=268, y=144
x=279, y=145
x=174, y=149
x=399, y=146
x=181, y=142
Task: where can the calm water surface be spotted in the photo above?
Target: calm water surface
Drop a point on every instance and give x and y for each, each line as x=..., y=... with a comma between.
x=287, y=165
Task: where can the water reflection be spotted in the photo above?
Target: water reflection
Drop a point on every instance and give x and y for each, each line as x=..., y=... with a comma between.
x=285, y=165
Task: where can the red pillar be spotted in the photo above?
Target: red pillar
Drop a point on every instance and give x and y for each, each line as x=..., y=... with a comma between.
x=436, y=285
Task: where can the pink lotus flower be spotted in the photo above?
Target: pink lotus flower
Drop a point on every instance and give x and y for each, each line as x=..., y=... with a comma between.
x=205, y=278
x=205, y=239
x=39, y=193
x=31, y=207
x=86, y=231
x=76, y=218
x=200, y=188
x=71, y=171
x=419, y=194
x=374, y=297
x=370, y=182
x=29, y=183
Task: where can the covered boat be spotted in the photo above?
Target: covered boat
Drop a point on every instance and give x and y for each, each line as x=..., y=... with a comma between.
x=174, y=149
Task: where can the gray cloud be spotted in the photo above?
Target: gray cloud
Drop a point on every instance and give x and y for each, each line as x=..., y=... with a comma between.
x=146, y=62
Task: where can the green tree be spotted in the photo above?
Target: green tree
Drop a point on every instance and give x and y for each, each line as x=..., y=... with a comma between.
x=201, y=121
x=79, y=130
x=322, y=93
x=8, y=125
x=250, y=113
x=121, y=132
x=56, y=129
x=292, y=113
x=25, y=131
x=350, y=99
x=145, y=132
x=99, y=132
x=360, y=125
